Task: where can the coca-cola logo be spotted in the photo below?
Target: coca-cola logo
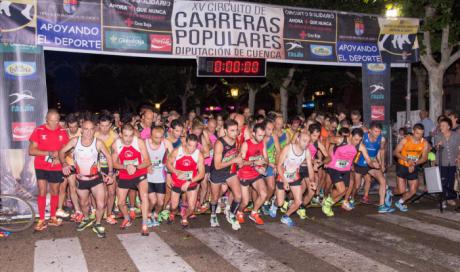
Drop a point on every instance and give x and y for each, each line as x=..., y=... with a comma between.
x=377, y=113
x=22, y=131
x=160, y=43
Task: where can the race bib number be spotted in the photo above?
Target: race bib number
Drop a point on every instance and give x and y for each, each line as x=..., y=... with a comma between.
x=211, y=153
x=187, y=175
x=130, y=162
x=49, y=159
x=156, y=164
x=412, y=158
x=342, y=164
x=290, y=175
x=103, y=161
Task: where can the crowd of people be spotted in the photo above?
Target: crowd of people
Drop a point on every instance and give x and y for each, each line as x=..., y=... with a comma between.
x=111, y=168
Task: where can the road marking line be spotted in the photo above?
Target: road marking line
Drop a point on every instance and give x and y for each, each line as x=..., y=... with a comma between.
x=423, y=252
x=330, y=252
x=239, y=254
x=59, y=255
x=151, y=253
x=413, y=224
x=452, y=216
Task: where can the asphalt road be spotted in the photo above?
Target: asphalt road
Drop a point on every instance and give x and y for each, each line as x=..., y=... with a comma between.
x=362, y=240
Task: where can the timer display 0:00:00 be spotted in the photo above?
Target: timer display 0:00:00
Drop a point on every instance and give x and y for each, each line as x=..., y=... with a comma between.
x=235, y=67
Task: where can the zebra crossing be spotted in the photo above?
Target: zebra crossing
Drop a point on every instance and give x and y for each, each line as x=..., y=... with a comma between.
x=335, y=244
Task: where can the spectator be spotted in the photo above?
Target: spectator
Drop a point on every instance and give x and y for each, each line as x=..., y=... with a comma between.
x=428, y=124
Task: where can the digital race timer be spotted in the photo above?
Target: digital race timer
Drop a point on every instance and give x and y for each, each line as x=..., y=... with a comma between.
x=230, y=67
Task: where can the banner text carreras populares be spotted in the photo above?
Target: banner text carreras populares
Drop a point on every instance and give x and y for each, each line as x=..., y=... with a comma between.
x=167, y=28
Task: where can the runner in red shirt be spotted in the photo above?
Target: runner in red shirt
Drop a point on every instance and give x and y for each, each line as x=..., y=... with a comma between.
x=186, y=164
x=130, y=156
x=255, y=159
x=45, y=142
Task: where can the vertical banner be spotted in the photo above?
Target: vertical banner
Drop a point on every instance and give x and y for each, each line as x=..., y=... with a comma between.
x=376, y=92
x=23, y=103
x=398, y=40
x=18, y=21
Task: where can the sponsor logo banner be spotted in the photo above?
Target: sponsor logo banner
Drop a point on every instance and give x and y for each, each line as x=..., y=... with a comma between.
x=358, y=52
x=322, y=52
x=160, y=43
x=377, y=113
x=398, y=39
x=126, y=41
x=20, y=69
x=376, y=92
x=17, y=21
x=22, y=101
x=310, y=25
x=22, y=130
x=249, y=30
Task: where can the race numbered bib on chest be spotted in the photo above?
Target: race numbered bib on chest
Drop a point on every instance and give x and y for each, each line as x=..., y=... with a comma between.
x=290, y=175
x=187, y=175
x=342, y=164
x=156, y=163
x=130, y=162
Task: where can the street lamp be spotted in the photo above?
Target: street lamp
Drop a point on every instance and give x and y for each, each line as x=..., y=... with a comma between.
x=157, y=106
x=393, y=11
x=234, y=92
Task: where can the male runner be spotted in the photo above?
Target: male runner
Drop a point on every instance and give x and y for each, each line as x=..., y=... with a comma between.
x=158, y=149
x=251, y=173
x=108, y=136
x=289, y=179
x=130, y=156
x=186, y=164
x=411, y=152
x=225, y=155
x=86, y=155
x=45, y=142
x=273, y=150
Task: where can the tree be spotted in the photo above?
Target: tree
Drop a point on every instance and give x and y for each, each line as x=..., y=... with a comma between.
x=280, y=78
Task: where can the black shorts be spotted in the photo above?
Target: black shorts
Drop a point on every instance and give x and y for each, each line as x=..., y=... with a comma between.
x=363, y=170
x=179, y=191
x=280, y=185
x=403, y=172
x=207, y=168
x=339, y=176
x=50, y=176
x=105, y=170
x=219, y=178
x=159, y=188
x=88, y=184
x=131, y=183
x=303, y=171
x=247, y=182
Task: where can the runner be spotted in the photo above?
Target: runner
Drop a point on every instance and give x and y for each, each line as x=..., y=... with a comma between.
x=210, y=135
x=107, y=135
x=158, y=149
x=343, y=155
x=131, y=158
x=225, y=155
x=273, y=150
x=374, y=143
x=186, y=163
x=86, y=154
x=45, y=142
x=289, y=179
x=144, y=128
x=251, y=173
x=411, y=152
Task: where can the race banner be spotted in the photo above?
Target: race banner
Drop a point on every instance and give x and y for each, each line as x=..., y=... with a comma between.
x=18, y=21
x=227, y=29
x=138, y=26
x=23, y=103
x=376, y=92
x=70, y=24
x=398, y=40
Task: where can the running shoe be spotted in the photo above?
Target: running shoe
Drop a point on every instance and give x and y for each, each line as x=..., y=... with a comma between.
x=126, y=223
x=171, y=218
x=401, y=206
x=214, y=222
x=163, y=216
x=55, y=222
x=111, y=220
x=273, y=210
x=233, y=221
x=315, y=200
x=149, y=223
x=302, y=213
x=327, y=206
x=86, y=222
x=132, y=213
x=287, y=220
x=388, y=198
x=41, y=225
x=62, y=214
x=145, y=230
x=204, y=208
x=240, y=217
x=385, y=209
x=366, y=200
x=346, y=206
x=285, y=207
x=77, y=217
x=155, y=222
x=192, y=216
x=266, y=208
x=184, y=223
x=92, y=216
x=255, y=216
x=99, y=230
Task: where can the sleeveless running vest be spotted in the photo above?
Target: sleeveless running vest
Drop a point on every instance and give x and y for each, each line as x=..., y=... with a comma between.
x=85, y=158
x=271, y=150
x=108, y=144
x=372, y=149
x=157, y=158
x=343, y=156
x=292, y=164
x=229, y=152
x=413, y=151
x=187, y=163
x=130, y=155
x=254, y=153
